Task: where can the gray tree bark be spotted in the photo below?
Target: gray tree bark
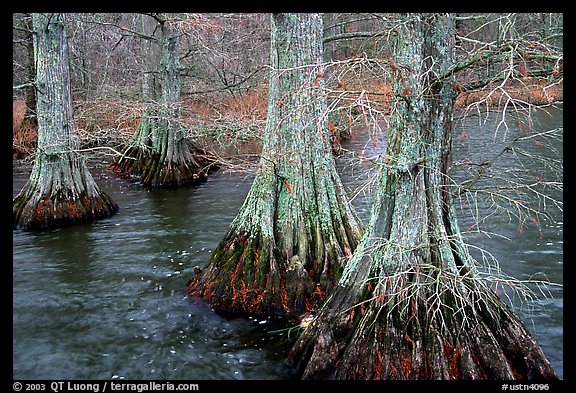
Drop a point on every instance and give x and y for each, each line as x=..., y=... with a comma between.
x=288, y=244
x=30, y=112
x=410, y=304
x=159, y=154
x=60, y=189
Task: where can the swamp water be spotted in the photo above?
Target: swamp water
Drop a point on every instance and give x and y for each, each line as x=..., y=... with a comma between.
x=105, y=300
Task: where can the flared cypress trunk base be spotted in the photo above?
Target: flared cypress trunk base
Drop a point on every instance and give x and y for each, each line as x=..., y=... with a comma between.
x=154, y=170
x=39, y=212
x=247, y=276
x=439, y=332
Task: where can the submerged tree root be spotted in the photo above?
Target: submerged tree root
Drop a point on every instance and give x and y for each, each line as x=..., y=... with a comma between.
x=153, y=170
x=248, y=276
x=463, y=331
x=57, y=210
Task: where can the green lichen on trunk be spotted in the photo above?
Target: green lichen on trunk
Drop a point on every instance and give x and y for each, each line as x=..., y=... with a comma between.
x=160, y=154
x=288, y=244
x=53, y=201
x=161, y=157
x=410, y=304
x=60, y=190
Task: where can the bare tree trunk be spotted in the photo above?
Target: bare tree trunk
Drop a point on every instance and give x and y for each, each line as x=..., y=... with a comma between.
x=30, y=112
x=160, y=154
x=288, y=244
x=60, y=189
x=410, y=304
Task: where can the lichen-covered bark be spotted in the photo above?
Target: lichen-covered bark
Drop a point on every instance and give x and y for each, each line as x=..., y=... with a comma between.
x=159, y=154
x=60, y=190
x=288, y=244
x=410, y=304
x=30, y=112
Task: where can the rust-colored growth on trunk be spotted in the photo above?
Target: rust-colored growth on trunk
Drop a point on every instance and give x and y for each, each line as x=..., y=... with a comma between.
x=406, y=363
x=425, y=368
x=453, y=356
x=283, y=294
x=40, y=208
x=478, y=363
x=236, y=267
x=393, y=369
x=240, y=279
x=517, y=374
x=226, y=284
x=244, y=297
x=152, y=171
x=378, y=366
x=73, y=208
x=316, y=299
x=56, y=210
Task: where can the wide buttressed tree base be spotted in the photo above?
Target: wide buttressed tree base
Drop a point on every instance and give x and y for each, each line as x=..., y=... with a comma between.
x=160, y=154
x=166, y=160
x=60, y=190
x=419, y=324
x=287, y=246
x=411, y=303
x=277, y=259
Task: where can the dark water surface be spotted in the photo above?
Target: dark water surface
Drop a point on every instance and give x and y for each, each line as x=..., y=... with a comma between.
x=105, y=300
x=533, y=250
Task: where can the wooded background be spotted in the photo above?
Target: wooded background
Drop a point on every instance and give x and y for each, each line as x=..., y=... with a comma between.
x=224, y=68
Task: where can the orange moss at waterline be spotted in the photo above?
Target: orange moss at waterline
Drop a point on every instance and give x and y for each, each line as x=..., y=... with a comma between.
x=433, y=344
x=244, y=278
x=153, y=170
x=54, y=210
